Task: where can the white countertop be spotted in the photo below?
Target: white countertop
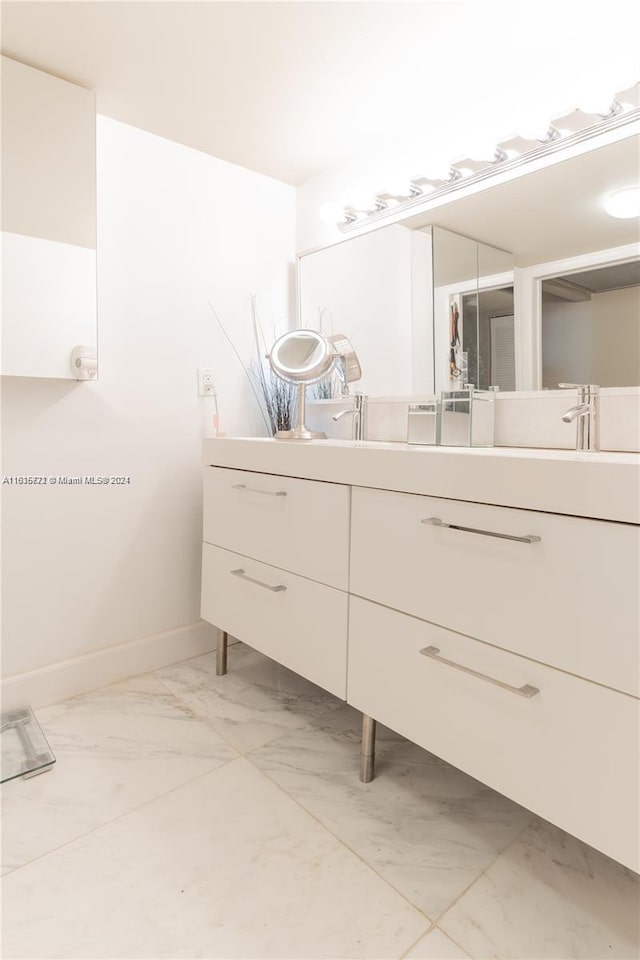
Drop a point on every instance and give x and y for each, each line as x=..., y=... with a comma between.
x=602, y=485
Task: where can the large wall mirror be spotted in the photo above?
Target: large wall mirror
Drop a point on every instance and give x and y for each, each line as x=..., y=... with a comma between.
x=521, y=286
x=48, y=223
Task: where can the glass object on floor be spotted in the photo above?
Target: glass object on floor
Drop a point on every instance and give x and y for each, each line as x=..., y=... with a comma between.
x=25, y=751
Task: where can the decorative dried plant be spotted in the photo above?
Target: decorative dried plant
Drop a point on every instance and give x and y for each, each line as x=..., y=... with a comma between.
x=276, y=399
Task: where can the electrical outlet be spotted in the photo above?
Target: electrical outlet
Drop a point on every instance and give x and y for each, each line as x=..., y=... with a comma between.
x=206, y=386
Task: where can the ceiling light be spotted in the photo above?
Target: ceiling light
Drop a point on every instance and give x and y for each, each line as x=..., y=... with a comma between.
x=624, y=204
x=593, y=100
x=483, y=148
x=363, y=200
x=534, y=128
x=598, y=108
x=332, y=212
x=538, y=135
x=438, y=171
x=399, y=186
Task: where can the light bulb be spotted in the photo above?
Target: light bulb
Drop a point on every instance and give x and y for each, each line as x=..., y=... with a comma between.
x=594, y=98
x=624, y=204
x=398, y=186
x=363, y=200
x=600, y=105
x=438, y=171
x=534, y=128
x=332, y=212
x=481, y=149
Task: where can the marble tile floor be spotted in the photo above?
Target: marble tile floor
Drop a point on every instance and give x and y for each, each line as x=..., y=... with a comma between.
x=191, y=815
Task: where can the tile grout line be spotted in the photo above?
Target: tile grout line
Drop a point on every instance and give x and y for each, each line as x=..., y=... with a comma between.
x=482, y=873
x=192, y=714
x=435, y=922
x=416, y=942
x=432, y=924
x=212, y=724
x=184, y=708
x=344, y=844
x=444, y=934
x=120, y=816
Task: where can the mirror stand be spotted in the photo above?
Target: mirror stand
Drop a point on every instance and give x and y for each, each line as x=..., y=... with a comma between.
x=300, y=431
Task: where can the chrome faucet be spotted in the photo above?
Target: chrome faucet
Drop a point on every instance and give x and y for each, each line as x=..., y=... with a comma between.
x=359, y=413
x=587, y=413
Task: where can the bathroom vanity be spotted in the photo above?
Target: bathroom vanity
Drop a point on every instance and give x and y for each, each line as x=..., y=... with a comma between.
x=482, y=603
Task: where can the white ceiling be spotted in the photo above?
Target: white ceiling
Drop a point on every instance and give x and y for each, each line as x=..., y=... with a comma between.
x=291, y=89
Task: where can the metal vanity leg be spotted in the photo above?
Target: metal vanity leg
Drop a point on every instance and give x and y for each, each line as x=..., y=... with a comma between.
x=221, y=653
x=367, y=748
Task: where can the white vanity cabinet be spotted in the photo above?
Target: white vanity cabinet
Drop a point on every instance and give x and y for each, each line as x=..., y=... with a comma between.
x=503, y=639
x=275, y=569
x=561, y=590
x=561, y=746
x=556, y=727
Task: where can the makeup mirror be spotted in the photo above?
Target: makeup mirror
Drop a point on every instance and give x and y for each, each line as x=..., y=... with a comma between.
x=305, y=357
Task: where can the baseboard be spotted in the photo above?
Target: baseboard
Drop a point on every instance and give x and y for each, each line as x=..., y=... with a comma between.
x=57, y=681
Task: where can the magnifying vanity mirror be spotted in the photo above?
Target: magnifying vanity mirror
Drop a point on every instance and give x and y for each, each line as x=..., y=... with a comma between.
x=519, y=286
x=305, y=357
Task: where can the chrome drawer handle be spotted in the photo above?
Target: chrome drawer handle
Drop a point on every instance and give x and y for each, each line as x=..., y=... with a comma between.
x=525, y=691
x=279, y=588
x=437, y=522
x=268, y=493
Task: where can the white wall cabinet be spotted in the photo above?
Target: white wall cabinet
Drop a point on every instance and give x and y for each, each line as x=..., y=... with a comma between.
x=48, y=222
x=505, y=643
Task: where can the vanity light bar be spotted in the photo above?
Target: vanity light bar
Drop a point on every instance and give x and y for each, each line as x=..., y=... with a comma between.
x=573, y=128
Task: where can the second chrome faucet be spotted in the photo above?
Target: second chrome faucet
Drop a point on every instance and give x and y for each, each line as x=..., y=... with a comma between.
x=587, y=414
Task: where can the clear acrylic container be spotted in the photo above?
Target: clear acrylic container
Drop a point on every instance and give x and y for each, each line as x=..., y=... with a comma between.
x=467, y=417
x=423, y=422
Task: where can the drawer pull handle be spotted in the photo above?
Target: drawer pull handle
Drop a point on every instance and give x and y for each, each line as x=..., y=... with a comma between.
x=437, y=522
x=525, y=691
x=279, y=588
x=268, y=493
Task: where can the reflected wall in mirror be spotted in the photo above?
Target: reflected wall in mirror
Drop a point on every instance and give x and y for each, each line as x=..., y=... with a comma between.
x=362, y=288
x=396, y=289
x=473, y=313
x=591, y=326
x=48, y=222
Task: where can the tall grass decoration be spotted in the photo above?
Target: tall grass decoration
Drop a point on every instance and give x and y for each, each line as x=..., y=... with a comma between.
x=276, y=399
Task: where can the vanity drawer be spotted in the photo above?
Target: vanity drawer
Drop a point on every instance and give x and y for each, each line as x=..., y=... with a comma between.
x=569, y=752
x=300, y=525
x=299, y=623
x=569, y=598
